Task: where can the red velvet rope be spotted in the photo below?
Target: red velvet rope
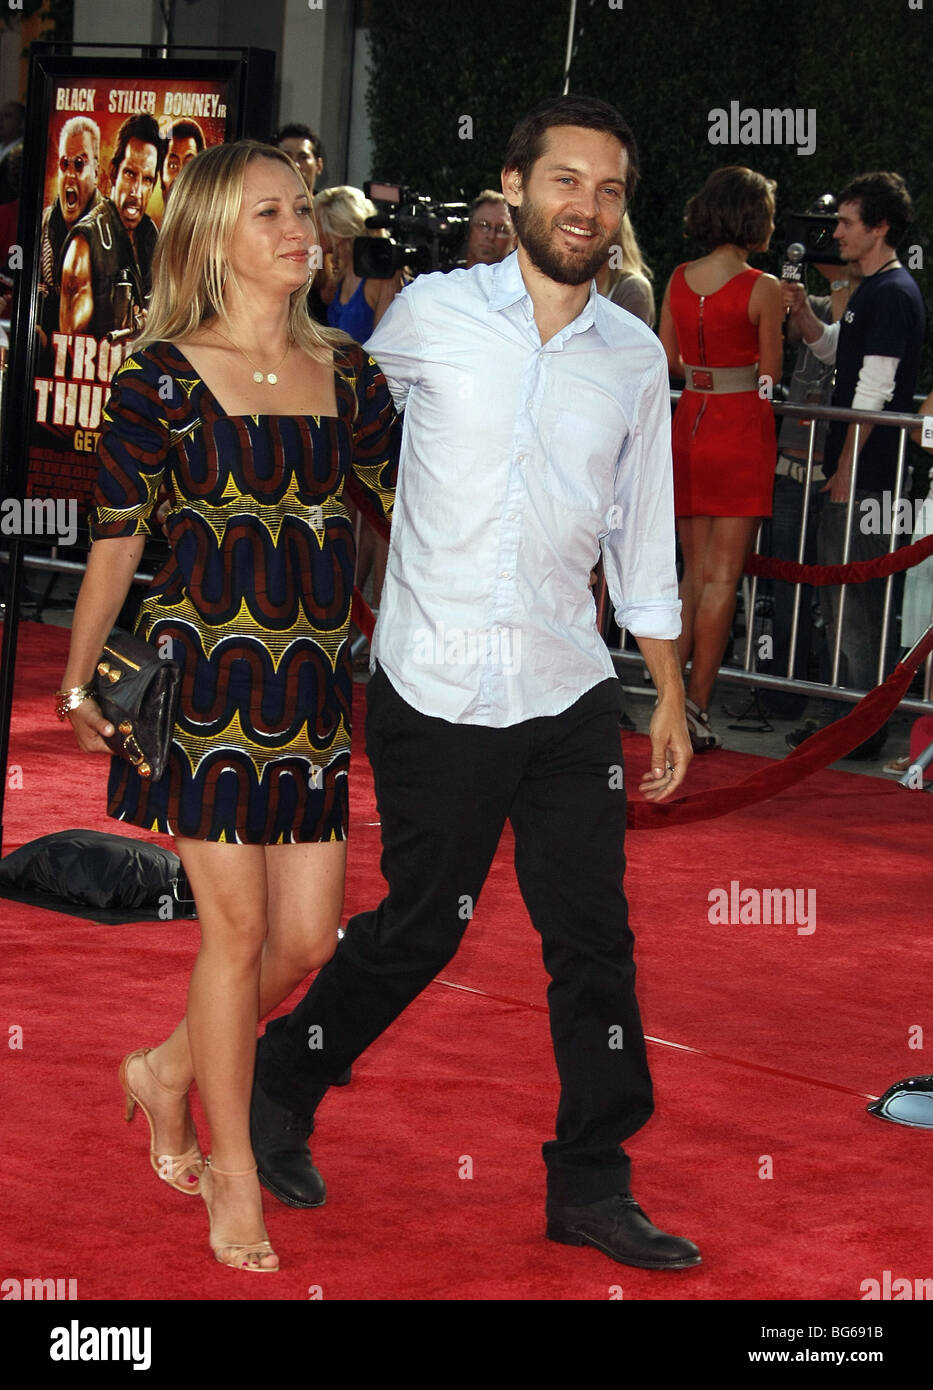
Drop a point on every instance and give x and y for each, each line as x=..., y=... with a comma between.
x=823, y=747
x=879, y=568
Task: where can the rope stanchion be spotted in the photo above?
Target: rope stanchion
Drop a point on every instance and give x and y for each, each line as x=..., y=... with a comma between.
x=823, y=747
x=765, y=567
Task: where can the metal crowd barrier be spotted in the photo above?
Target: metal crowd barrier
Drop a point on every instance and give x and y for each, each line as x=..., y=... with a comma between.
x=747, y=674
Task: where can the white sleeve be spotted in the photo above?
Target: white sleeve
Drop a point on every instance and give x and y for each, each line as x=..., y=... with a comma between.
x=875, y=386
x=396, y=345
x=824, y=349
x=639, y=548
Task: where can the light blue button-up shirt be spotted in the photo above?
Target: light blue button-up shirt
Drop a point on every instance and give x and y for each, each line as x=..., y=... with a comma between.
x=519, y=459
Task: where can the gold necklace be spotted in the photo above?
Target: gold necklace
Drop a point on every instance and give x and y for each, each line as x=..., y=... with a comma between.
x=258, y=376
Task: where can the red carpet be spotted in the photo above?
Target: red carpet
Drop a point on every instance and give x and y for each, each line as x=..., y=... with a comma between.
x=767, y=1044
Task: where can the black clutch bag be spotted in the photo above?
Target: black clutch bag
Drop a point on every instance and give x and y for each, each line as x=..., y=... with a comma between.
x=137, y=691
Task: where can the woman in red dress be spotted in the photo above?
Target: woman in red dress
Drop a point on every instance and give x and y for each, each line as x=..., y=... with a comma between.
x=721, y=329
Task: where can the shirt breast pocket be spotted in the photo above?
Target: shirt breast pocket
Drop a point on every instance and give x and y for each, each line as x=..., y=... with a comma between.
x=580, y=460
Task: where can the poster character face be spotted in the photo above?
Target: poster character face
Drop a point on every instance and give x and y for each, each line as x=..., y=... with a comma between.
x=77, y=174
x=132, y=184
x=179, y=153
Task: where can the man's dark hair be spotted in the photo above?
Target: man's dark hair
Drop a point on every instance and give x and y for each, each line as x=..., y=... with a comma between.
x=187, y=130
x=526, y=143
x=734, y=205
x=296, y=131
x=882, y=197
x=142, y=127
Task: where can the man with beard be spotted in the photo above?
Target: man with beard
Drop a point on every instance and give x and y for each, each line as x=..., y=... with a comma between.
x=78, y=164
x=108, y=256
x=537, y=430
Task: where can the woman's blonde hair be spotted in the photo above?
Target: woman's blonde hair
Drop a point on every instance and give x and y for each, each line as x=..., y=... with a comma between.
x=190, y=266
x=341, y=212
x=633, y=263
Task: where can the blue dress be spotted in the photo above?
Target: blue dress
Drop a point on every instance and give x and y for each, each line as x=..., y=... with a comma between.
x=355, y=317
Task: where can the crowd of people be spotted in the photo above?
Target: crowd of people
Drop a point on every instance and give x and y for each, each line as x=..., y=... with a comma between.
x=523, y=400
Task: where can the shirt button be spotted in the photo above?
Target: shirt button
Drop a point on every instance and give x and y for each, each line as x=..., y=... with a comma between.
x=511, y=516
x=506, y=574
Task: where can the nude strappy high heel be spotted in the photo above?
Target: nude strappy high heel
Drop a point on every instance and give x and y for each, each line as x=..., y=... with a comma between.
x=230, y=1252
x=181, y=1171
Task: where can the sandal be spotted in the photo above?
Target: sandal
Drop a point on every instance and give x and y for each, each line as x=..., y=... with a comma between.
x=897, y=766
x=698, y=726
x=182, y=1171
x=229, y=1252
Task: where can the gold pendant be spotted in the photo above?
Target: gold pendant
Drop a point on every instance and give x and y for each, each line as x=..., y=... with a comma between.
x=271, y=378
x=258, y=376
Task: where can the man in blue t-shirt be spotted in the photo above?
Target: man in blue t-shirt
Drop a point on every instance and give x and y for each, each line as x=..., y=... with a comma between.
x=876, y=350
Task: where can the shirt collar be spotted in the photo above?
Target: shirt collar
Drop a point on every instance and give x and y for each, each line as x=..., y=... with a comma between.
x=509, y=288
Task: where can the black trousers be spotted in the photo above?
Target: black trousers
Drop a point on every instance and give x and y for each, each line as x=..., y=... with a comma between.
x=444, y=793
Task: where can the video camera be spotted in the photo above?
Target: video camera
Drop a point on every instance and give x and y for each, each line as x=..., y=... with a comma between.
x=423, y=235
x=808, y=238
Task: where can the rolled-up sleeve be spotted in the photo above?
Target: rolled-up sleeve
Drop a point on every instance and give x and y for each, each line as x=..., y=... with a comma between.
x=639, y=556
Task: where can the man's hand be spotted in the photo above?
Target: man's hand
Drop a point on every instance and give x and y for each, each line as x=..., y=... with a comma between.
x=671, y=749
x=671, y=752
x=794, y=295
x=801, y=315
x=839, y=484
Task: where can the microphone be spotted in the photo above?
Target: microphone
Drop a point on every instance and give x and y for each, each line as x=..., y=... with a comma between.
x=793, y=267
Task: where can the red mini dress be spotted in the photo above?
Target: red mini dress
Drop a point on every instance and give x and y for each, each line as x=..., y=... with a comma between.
x=724, y=445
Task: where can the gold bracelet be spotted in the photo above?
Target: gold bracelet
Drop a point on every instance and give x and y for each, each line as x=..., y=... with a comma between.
x=70, y=699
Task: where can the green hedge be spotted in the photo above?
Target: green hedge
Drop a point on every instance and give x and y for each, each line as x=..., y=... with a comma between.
x=666, y=64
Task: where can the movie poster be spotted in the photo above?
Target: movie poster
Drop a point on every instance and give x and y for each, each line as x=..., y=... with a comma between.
x=113, y=151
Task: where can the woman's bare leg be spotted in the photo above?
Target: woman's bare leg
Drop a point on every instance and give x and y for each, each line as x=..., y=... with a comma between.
x=303, y=895
x=694, y=535
x=729, y=540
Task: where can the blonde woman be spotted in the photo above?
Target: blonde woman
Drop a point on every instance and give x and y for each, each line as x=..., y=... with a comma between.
x=254, y=419
x=628, y=283
x=353, y=304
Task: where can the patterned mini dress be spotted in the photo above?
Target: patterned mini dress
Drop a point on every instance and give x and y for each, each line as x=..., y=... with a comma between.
x=254, y=599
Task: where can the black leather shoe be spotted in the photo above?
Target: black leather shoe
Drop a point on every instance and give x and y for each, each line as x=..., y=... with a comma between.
x=620, y=1229
x=280, y=1144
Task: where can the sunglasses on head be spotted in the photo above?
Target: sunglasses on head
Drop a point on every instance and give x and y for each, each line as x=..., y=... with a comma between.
x=79, y=163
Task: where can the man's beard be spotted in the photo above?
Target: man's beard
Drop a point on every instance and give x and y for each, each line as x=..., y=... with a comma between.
x=536, y=236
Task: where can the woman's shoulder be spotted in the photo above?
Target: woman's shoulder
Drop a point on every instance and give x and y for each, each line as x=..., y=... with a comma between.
x=158, y=356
